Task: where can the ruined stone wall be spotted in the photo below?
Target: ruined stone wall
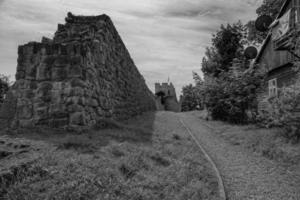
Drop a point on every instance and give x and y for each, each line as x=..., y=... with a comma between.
x=84, y=74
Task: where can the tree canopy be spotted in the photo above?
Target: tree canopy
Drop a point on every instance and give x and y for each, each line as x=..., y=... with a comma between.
x=227, y=44
x=268, y=7
x=4, y=86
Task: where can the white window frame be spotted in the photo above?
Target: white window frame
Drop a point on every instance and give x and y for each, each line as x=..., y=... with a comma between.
x=273, y=89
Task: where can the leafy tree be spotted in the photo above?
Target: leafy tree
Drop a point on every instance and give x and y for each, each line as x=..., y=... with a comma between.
x=4, y=86
x=227, y=44
x=232, y=94
x=191, y=99
x=268, y=7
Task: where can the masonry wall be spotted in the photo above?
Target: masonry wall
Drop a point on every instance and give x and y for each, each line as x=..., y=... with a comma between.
x=84, y=74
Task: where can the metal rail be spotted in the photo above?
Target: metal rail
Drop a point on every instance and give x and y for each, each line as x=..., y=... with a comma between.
x=220, y=181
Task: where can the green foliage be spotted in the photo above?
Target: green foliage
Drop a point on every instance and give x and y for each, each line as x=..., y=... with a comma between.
x=268, y=7
x=191, y=99
x=193, y=96
x=230, y=87
x=282, y=111
x=232, y=94
x=227, y=44
x=4, y=86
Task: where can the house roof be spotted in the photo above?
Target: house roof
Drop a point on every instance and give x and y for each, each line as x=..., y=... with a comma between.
x=262, y=48
x=283, y=7
x=267, y=39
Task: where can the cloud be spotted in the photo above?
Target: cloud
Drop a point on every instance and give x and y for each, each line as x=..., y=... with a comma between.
x=165, y=38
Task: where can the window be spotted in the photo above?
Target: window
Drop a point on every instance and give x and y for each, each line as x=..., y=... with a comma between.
x=273, y=87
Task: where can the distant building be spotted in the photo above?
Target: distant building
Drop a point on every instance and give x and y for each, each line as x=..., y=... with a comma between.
x=166, y=98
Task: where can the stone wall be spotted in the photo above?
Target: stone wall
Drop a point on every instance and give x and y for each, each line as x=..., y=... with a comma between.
x=84, y=74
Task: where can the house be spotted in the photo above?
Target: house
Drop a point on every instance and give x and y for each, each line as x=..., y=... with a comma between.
x=279, y=51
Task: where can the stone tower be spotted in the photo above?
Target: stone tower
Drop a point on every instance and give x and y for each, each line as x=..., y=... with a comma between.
x=83, y=74
x=166, y=98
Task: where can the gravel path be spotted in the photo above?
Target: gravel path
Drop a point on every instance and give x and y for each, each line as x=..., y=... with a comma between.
x=245, y=175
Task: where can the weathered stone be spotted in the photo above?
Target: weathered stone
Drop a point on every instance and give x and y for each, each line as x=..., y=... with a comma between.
x=77, y=82
x=46, y=40
x=41, y=113
x=58, y=110
x=84, y=73
x=42, y=73
x=25, y=111
x=60, y=122
x=75, y=108
x=93, y=103
x=77, y=91
x=57, y=86
x=82, y=101
x=59, y=73
x=26, y=123
x=78, y=118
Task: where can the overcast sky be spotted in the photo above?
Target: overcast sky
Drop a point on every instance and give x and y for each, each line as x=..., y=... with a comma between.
x=166, y=38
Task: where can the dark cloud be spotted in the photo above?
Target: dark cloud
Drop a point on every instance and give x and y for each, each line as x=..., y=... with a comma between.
x=188, y=12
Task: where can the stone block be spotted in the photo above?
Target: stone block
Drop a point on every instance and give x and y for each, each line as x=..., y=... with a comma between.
x=75, y=71
x=61, y=60
x=75, y=108
x=20, y=75
x=77, y=91
x=59, y=73
x=29, y=93
x=82, y=101
x=41, y=113
x=59, y=123
x=44, y=91
x=43, y=72
x=58, y=111
x=46, y=40
x=93, y=102
x=57, y=86
x=67, y=91
x=77, y=82
x=78, y=118
x=25, y=123
x=25, y=111
x=23, y=84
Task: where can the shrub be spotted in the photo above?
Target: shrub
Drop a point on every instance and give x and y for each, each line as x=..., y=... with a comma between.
x=232, y=94
x=282, y=111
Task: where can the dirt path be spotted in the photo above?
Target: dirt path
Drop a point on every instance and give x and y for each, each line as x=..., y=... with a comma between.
x=245, y=175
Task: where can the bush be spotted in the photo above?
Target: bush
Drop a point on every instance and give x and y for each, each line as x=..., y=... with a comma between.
x=282, y=111
x=230, y=96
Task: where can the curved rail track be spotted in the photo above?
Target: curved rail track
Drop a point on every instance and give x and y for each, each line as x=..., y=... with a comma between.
x=222, y=192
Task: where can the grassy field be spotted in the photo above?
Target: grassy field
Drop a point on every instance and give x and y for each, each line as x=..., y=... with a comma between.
x=269, y=143
x=149, y=157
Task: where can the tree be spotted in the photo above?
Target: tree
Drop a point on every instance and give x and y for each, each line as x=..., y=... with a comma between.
x=232, y=94
x=268, y=7
x=227, y=44
x=4, y=86
x=191, y=99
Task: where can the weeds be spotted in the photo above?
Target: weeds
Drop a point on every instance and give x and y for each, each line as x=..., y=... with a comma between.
x=116, y=164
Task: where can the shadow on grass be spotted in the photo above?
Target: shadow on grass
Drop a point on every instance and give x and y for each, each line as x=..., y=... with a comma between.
x=138, y=129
